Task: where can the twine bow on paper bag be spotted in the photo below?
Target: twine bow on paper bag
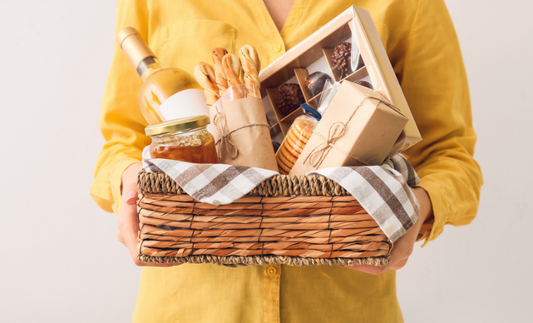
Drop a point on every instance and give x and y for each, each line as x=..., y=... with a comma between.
x=221, y=124
x=338, y=130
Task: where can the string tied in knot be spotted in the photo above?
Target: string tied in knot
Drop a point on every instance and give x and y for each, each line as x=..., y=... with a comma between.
x=221, y=124
x=336, y=131
x=317, y=155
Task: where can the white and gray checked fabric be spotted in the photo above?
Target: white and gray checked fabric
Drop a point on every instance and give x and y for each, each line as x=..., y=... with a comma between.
x=383, y=191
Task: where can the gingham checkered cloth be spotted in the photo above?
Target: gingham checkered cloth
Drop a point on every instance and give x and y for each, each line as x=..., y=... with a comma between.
x=383, y=191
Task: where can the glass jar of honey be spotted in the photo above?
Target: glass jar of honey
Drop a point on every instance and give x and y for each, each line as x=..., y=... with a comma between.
x=184, y=139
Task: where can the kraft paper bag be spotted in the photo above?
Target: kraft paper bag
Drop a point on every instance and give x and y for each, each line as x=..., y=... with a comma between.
x=242, y=133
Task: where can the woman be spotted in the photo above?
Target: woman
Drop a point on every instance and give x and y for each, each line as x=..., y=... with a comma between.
x=421, y=43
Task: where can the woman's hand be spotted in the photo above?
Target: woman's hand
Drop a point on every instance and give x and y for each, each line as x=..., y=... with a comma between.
x=403, y=247
x=128, y=223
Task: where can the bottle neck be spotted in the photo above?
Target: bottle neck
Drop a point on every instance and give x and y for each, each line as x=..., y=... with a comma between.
x=138, y=52
x=148, y=66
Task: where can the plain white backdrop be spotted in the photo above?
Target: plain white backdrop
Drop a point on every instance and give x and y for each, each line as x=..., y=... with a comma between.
x=60, y=260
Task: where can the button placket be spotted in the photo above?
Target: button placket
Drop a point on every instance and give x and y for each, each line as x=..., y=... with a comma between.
x=270, y=32
x=271, y=292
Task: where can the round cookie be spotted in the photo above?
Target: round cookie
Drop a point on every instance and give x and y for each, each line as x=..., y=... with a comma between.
x=289, y=157
x=286, y=158
x=302, y=128
x=293, y=144
x=282, y=166
x=282, y=160
x=297, y=136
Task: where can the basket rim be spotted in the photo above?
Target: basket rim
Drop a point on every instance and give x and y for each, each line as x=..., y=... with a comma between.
x=238, y=261
x=277, y=185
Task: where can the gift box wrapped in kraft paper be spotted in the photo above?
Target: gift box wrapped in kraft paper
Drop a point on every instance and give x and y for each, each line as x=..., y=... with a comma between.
x=241, y=132
x=360, y=127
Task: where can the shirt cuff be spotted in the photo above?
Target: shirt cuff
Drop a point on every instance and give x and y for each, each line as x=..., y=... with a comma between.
x=116, y=183
x=440, y=206
x=105, y=190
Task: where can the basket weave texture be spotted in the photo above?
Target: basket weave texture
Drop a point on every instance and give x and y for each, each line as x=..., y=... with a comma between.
x=292, y=220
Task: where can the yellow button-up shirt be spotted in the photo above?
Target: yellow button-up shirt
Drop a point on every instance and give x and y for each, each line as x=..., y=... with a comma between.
x=422, y=45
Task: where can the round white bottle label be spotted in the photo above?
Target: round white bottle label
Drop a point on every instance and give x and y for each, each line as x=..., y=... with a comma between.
x=183, y=104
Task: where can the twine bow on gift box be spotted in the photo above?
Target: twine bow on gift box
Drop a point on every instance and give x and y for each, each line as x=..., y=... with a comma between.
x=317, y=155
x=338, y=130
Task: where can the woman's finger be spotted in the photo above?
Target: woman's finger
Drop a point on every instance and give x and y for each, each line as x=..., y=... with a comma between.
x=373, y=270
x=403, y=248
x=128, y=223
x=132, y=197
x=129, y=228
x=399, y=256
x=399, y=265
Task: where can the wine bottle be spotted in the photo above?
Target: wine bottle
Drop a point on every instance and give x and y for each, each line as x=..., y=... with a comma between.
x=167, y=93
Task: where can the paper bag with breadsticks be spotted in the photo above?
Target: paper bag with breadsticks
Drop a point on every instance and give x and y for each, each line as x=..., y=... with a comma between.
x=238, y=119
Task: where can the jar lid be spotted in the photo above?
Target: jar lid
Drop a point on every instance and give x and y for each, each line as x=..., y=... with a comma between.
x=175, y=125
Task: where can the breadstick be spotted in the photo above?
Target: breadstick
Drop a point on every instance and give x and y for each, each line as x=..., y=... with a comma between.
x=205, y=75
x=233, y=69
x=251, y=66
x=221, y=79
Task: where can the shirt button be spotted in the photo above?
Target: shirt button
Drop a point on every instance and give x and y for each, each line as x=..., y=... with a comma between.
x=272, y=271
x=278, y=48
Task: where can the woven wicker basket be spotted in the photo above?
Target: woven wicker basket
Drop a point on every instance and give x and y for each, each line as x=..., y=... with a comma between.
x=298, y=221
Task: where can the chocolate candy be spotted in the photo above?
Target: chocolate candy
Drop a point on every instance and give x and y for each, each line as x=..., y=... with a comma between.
x=365, y=84
x=315, y=82
x=342, y=59
x=289, y=98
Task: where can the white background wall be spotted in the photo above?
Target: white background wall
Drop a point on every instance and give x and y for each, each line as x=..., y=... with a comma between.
x=60, y=260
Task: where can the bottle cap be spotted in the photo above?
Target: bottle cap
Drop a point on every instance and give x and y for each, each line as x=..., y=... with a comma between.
x=175, y=125
x=310, y=111
x=125, y=33
x=133, y=45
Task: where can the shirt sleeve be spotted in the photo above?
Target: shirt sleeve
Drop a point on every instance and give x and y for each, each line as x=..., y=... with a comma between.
x=121, y=121
x=434, y=81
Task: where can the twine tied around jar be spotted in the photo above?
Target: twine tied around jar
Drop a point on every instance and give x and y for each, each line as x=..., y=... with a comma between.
x=338, y=130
